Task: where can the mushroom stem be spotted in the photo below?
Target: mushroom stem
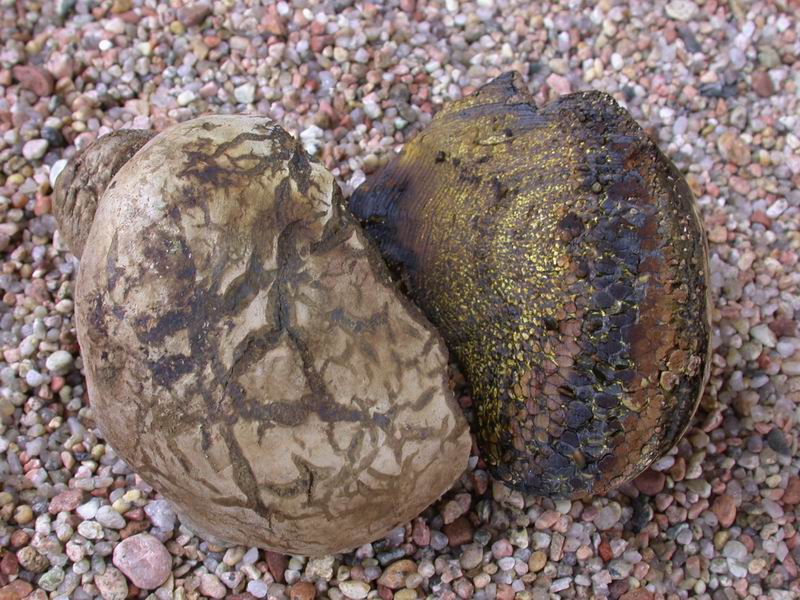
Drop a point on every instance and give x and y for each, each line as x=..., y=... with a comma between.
x=86, y=176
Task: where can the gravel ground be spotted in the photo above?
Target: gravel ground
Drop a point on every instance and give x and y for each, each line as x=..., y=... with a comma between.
x=716, y=82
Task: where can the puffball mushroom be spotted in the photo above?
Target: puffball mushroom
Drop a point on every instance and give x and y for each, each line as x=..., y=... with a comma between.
x=247, y=353
x=561, y=255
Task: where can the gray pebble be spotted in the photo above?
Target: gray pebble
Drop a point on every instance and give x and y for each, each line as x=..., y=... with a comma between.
x=108, y=517
x=50, y=580
x=34, y=379
x=608, y=516
x=734, y=549
x=777, y=441
x=257, y=588
x=161, y=514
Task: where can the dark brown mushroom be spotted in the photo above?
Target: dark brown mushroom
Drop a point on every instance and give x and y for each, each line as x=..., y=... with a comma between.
x=561, y=255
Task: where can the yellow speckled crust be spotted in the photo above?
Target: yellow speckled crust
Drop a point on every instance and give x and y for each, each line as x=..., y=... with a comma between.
x=560, y=254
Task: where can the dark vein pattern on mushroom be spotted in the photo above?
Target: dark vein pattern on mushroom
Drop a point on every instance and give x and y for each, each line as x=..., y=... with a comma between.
x=237, y=315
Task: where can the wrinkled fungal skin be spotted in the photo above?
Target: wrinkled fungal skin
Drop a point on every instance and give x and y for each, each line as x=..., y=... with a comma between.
x=84, y=179
x=560, y=254
x=247, y=352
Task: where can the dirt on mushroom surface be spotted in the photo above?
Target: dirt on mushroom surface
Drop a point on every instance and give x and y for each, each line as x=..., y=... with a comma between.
x=714, y=83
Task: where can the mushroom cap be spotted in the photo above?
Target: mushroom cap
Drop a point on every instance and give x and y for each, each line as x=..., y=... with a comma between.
x=247, y=353
x=561, y=256
x=84, y=179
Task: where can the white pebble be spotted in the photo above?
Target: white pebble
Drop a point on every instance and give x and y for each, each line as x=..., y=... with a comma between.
x=506, y=563
x=35, y=149
x=681, y=10
x=354, y=589
x=250, y=557
x=186, y=97
x=34, y=379
x=777, y=208
x=59, y=362
x=89, y=510
x=91, y=530
x=310, y=137
x=559, y=585
x=245, y=94
x=115, y=26
x=764, y=334
x=373, y=110
x=257, y=588
x=161, y=514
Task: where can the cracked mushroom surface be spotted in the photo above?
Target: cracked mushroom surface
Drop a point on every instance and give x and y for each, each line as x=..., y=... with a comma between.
x=247, y=353
x=85, y=178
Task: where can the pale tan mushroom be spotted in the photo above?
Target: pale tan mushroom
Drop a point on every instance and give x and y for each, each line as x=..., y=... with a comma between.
x=246, y=352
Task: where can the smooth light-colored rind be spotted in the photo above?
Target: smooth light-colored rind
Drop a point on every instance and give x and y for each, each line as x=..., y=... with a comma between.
x=247, y=353
x=84, y=179
x=560, y=254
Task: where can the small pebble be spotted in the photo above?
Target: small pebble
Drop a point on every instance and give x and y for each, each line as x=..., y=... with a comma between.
x=211, y=586
x=108, y=517
x=245, y=94
x=34, y=149
x=608, y=516
x=112, y=584
x=354, y=589
x=257, y=588
x=144, y=560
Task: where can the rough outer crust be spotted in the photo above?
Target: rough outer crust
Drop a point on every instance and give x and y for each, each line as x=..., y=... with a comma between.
x=560, y=254
x=247, y=353
x=84, y=179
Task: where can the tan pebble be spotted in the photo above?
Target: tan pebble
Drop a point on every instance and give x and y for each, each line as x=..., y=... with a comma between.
x=537, y=561
x=211, y=586
x=23, y=514
x=394, y=575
